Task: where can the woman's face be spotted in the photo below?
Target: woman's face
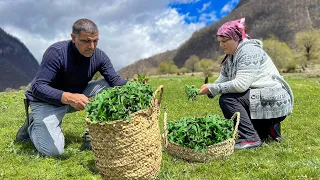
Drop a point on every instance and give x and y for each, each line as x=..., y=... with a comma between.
x=228, y=45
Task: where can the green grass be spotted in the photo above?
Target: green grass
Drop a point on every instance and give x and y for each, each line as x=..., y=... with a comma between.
x=296, y=157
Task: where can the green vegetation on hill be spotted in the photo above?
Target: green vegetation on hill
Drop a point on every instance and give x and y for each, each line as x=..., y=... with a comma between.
x=296, y=157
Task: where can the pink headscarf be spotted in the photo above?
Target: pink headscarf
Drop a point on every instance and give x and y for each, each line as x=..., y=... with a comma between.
x=235, y=30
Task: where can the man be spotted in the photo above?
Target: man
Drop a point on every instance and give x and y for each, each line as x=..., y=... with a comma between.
x=62, y=85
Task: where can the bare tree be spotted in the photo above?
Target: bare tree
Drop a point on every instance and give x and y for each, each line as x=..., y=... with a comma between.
x=206, y=67
x=192, y=64
x=308, y=43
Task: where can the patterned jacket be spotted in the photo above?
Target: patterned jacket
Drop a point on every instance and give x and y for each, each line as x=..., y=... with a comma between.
x=251, y=68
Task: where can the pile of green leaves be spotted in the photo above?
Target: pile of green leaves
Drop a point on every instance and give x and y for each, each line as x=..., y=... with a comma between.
x=119, y=102
x=191, y=92
x=199, y=132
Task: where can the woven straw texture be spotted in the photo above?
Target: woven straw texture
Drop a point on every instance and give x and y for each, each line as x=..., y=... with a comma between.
x=129, y=149
x=213, y=152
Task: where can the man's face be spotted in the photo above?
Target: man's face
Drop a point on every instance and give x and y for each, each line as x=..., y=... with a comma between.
x=85, y=42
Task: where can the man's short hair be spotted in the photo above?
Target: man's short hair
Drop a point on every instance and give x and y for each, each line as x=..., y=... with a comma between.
x=85, y=25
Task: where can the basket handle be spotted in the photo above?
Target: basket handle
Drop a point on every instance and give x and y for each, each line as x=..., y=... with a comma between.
x=165, y=131
x=236, y=116
x=154, y=97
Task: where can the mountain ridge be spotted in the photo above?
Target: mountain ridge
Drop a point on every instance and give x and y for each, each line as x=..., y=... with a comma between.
x=18, y=65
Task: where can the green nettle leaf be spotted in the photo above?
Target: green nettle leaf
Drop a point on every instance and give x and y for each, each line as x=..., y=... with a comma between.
x=199, y=132
x=142, y=79
x=191, y=92
x=119, y=102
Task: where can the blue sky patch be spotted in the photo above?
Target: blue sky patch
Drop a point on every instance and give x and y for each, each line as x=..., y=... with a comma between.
x=206, y=11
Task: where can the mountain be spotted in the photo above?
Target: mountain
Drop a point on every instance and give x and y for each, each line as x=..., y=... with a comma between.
x=17, y=65
x=280, y=18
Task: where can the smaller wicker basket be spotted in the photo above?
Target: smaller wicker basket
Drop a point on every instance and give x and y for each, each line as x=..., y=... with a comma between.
x=213, y=152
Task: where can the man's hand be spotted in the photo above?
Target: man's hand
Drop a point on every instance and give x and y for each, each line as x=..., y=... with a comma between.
x=77, y=101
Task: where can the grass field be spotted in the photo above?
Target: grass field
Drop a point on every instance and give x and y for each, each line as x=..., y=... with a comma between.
x=296, y=157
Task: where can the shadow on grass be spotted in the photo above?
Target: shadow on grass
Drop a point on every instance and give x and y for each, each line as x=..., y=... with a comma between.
x=71, y=139
x=26, y=148
x=92, y=167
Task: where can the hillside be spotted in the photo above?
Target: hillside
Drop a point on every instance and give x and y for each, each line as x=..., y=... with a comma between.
x=18, y=66
x=281, y=18
x=145, y=64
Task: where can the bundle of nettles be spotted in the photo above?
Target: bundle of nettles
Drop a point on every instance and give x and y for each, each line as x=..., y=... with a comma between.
x=191, y=92
x=199, y=132
x=119, y=102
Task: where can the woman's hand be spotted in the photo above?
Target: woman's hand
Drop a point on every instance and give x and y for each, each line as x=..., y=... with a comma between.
x=204, y=90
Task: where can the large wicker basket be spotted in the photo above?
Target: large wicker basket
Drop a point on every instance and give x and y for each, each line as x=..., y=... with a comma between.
x=129, y=149
x=213, y=152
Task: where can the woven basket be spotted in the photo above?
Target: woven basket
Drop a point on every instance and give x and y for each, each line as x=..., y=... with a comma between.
x=129, y=149
x=213, y=152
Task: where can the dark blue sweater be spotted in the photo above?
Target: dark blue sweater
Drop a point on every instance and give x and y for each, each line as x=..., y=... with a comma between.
x=64, y=69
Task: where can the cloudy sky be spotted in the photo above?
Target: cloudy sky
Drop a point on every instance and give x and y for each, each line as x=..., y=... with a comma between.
x=128, y=29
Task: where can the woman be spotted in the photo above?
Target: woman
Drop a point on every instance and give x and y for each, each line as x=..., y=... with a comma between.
x=250, y=83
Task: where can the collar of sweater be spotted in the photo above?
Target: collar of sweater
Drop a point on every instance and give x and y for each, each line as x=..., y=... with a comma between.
x=77, y=53
x=245, y=42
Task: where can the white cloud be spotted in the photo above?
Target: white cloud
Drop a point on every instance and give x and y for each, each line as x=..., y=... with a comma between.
x=129, y=30
x=227, y=8
x=135, y=41
x=183, y=1
x=204, y=7
x=208, y=17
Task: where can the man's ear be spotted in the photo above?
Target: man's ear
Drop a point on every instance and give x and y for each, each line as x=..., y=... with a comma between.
x=73, y=38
